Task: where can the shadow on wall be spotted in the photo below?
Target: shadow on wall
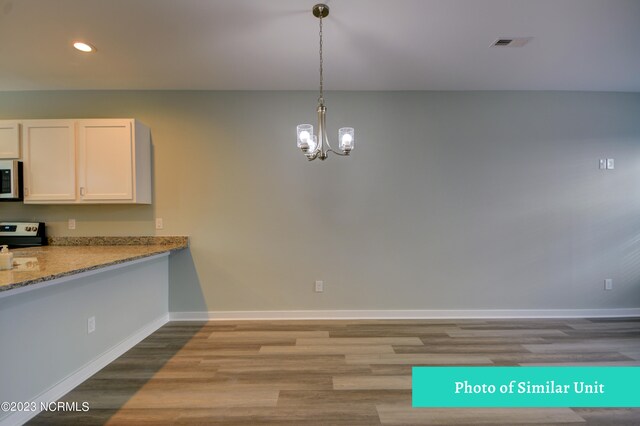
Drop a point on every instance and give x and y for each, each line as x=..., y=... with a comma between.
x=185, y=290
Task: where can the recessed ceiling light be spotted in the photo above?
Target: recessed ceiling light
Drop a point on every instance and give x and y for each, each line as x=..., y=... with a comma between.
x=84, y=47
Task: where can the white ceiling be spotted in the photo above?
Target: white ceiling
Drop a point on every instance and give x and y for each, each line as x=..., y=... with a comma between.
x=272, y=45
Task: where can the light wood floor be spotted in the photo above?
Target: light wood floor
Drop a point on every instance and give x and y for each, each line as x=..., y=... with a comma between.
x=337, y=372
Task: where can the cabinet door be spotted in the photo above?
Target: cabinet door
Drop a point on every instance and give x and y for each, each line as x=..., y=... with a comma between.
x=9, y=139
x=105, y=160
x=49, y=160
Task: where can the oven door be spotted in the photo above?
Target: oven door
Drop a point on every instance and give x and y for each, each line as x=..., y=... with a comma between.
x=10, y=180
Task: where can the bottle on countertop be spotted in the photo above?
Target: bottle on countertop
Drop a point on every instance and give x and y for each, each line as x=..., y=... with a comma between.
x=6, y=259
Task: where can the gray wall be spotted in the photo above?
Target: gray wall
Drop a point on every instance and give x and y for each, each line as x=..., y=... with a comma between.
x=451, y=200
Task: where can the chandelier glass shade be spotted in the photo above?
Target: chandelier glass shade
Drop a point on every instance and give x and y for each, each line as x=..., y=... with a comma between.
x=317, y=146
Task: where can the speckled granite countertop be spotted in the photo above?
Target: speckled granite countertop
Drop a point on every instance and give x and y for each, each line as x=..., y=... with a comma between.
x=69, y=256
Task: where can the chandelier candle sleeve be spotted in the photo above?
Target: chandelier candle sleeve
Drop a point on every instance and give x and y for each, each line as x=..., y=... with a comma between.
x=317, y=146
x=305, y=131
x=346, y=139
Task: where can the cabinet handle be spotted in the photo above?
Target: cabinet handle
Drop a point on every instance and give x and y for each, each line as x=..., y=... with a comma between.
x=82, y=191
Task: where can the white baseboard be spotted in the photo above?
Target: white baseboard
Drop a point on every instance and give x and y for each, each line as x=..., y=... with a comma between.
x=70, y=382
x=404, y=314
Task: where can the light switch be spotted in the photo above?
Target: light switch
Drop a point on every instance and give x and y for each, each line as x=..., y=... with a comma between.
x=610, y=164
x=603, y=164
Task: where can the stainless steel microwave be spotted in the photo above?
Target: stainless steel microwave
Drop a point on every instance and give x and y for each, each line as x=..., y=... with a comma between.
x=10, y=180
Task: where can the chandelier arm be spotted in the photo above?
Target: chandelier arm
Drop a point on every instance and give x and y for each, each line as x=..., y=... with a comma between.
x=338, y=152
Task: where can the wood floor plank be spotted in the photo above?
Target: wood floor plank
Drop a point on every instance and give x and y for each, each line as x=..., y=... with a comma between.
x=327, y=350
x=390, y=369
x=93, y=417
x=551, y=357
x=610, y=416
x=330, y=369
x=411, y=322
x=365, y=415
x=418, y=359
x=399, y=414
x=507, y=333
x=351, y=341
x=267, y=334
x=633, y=355
x=597, y=326
x=362, y=414
x=202, y=398
x=202, y=352
x=627, y=345
x=460, y=349
x=463, y=341
x=273, y=360
x=371, y=382
x=582, y=364
x=343, y=398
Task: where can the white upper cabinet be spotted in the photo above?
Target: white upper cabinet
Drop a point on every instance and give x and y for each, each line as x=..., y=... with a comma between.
x=9, y=140
x=113, y=161
x=106, y=161
x=49, y=160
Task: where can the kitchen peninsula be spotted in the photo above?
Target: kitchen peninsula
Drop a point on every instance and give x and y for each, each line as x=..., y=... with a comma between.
x=66, y=256
x=70, y=308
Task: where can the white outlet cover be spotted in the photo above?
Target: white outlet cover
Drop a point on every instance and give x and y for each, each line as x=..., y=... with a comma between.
x=72, y=224
x=608, y=284
x=319, y=286
x=603, y=164
x=610, y=164
x=159, y=223
x=91, y=325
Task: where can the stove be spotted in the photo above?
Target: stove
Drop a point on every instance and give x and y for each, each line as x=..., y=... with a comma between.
x=22, y=234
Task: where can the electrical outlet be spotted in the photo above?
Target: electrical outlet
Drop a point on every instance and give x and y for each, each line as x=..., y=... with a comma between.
x=91, y=325
x=608, y=284
x=610, y=164
x=319, y=286
x=72, y=224
x=159, y=223
x=603, y=164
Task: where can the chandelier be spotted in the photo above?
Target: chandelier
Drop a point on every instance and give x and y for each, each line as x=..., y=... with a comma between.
x=318, y=146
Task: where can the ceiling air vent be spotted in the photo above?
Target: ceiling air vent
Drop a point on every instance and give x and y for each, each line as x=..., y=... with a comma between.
x=511, y=42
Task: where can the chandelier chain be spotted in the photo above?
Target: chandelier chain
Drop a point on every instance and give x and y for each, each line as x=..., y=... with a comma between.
x=321, y=98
